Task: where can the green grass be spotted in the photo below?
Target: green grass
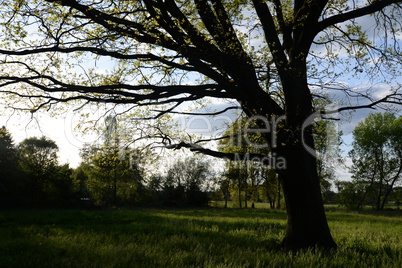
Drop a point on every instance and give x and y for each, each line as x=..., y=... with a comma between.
x=189, y=238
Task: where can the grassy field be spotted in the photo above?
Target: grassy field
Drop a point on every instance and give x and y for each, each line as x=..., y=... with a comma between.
x=189, y=238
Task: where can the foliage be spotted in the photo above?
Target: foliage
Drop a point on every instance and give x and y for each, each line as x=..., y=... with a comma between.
x=377, y=158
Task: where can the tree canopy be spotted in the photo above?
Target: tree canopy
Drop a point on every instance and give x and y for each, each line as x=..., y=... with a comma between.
x=171, y=52
x=270, y=59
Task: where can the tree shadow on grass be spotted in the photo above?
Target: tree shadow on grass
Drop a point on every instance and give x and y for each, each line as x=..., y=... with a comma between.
x=136, y=238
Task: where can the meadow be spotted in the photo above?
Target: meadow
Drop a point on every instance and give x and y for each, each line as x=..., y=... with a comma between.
x=213, y=237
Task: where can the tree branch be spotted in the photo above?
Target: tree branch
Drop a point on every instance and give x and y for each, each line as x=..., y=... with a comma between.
x=148, y=35
x=230, y=156
x=101, y=52
x=271, y=34
x=394, y=98
x=212, y=114
x=375, y=6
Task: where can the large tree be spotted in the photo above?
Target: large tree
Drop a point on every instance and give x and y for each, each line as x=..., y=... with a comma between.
x=270, y=57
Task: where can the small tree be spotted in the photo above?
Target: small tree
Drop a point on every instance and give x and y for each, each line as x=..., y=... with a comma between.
x=349, y=194
x=60, y=190
x=396, y=196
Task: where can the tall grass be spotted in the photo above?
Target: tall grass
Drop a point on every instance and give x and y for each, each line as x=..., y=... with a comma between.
x=189, y=238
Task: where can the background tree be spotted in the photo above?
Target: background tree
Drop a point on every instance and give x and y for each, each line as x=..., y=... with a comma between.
x=270, y=57
x=349, y=193
x=38, y=162
x=327, y=143
x=80, y=181
x=110, y=173
x=60, y=190
x=222, y=188
x=111, y=178
x=245, y=177
x=271, y=188
x=377, y=156
x=186, y=183
x=10, y=179
x=396, y=196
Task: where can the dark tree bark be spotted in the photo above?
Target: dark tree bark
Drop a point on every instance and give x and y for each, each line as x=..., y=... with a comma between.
x=307, y=225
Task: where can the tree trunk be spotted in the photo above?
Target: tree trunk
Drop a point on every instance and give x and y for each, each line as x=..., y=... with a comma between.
x=391, y=186
x=245, y=203
x=379, y=195
x=226, y=193
x=239, y=192
x=115, y=186
x=270, y=199
x=307, y=225
x=278, y=204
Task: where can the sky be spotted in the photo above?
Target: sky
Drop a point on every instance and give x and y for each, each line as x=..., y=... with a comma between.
x=58, y=129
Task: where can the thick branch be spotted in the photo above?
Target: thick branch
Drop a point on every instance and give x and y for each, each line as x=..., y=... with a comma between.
x=230, y=156
x=271, y=35
x=285, y=27
x=375, y=6
x=140, y=95
x=101, y=52
x=212, y=114
x=114, y=24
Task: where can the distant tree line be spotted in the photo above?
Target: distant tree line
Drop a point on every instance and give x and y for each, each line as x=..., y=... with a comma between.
x=113, y=175
x=31, y=176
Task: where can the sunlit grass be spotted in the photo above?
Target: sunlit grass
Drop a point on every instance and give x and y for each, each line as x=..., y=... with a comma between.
x=189, y=238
